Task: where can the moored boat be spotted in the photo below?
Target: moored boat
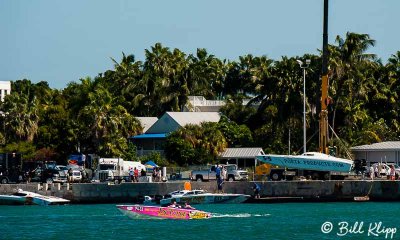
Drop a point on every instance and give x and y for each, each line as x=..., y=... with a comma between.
x=21, y=197
x=141, y=211
x=203, y=197
x=309, y=161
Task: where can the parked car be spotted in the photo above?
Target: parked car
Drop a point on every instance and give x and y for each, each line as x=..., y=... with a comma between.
x=62, y=168
x=48, y=175
x=233, y=174
x=396, y=168
x=76, y=176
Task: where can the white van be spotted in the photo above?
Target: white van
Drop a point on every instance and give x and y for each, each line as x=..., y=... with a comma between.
x=76, y=176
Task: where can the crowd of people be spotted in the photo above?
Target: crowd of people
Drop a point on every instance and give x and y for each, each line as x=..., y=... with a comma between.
x=379, y=170
x=134, y=174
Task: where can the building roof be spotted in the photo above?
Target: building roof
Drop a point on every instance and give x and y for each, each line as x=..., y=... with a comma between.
x=156, y=135
x=185, y=118
x=382, y=146
x=171, y=121
x=241, y=153
x=147, y=122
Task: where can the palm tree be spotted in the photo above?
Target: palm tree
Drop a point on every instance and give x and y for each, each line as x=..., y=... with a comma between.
x=22, y=118
x=352, y=71
x=108, y=124
x=123, y=81
x=206, y=74
x=156, y=72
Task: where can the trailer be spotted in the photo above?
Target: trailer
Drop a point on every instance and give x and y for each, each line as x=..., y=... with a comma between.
x=11, y=168
x=115, y=169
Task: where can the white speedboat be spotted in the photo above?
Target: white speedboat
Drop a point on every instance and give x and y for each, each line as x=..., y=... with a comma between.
x=309, y=161
x=21, y=197
x=202, y=197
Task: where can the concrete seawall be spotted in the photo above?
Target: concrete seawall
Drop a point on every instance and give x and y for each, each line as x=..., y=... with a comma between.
x=131, y=192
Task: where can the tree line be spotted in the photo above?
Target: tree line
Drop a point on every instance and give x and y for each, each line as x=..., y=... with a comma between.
x=97, y=115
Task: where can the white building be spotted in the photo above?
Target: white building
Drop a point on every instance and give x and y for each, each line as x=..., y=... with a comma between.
x=154, y=138
x=386, y=152
x=5, y=89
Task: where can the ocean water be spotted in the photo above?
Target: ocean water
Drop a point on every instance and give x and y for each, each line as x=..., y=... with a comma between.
x=362, y=220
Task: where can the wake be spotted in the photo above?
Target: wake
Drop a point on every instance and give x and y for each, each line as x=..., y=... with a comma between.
x=238, y=215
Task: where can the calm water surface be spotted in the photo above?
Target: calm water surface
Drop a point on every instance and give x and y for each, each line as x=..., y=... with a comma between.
x=231, y=221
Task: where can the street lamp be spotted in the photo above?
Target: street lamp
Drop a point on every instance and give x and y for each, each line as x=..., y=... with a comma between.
x=304, y=66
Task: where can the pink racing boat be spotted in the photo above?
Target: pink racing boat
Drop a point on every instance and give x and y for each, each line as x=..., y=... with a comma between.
x=140, y=211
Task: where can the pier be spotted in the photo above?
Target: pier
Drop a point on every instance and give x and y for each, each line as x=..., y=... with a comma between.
x=271, y=191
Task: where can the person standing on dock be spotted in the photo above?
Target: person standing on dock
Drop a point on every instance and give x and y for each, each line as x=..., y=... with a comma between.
x=220, y=182
x=223, y=172
x=136, y=174
x=372, y=172
x=376, y=170
x=392, y=173
x=256, y=189
x=218, y=172
x=132, y=178
x=70, y=175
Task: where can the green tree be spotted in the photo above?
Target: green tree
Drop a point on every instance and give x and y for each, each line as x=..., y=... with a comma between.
x=352, y=78
x=235, y=135
x=27, y=149
x=108, y=126
x=195, y=144
x=21, y=117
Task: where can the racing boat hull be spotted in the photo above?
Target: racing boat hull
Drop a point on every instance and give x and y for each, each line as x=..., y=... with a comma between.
x=309, y=161
x=140, y=211
x=22, y=197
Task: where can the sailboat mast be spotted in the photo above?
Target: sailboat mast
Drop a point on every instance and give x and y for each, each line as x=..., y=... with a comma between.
x=323, y=122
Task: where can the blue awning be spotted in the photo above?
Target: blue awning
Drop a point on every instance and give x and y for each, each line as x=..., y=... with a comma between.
x=151, y=163
x=150, y=135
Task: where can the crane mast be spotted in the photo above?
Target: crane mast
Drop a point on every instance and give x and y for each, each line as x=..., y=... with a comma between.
x=323, y=116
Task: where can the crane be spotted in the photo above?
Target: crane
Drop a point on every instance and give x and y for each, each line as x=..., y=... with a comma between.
x=323, y=116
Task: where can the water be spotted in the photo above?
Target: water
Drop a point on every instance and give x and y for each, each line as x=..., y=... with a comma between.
x=231, y=221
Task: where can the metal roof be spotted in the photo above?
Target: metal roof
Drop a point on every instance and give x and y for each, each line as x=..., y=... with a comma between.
x=147, y=122
x=184, y=118
x=171, y=121
x=241, y=153
x=382, y=146
x=150, y=135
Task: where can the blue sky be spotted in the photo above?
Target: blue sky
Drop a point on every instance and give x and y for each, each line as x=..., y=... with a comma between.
x=62, y=41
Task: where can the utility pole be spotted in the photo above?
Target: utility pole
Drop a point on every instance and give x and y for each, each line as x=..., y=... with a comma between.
x=304, y=66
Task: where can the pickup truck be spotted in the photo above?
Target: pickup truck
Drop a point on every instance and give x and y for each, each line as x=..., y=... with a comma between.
x=233, y=174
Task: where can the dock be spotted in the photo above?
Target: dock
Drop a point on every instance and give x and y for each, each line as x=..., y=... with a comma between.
x=271, y=191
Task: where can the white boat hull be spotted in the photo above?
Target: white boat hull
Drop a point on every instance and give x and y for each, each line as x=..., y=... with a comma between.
x=309, y=161
x=14, y=200
x=30, y=198
x=207, y=198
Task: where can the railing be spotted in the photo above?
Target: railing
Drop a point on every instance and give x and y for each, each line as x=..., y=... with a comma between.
x=201, y=101
x=142, y=152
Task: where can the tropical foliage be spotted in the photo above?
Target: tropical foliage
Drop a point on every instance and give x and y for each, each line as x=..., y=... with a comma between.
x=97, y=114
